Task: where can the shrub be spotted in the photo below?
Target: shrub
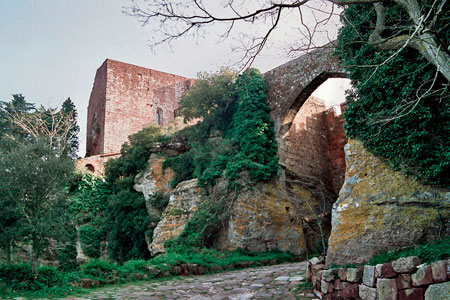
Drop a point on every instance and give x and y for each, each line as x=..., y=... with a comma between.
x=98, y=268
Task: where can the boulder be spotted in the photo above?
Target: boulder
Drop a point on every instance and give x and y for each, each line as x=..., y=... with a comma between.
x=380, y=210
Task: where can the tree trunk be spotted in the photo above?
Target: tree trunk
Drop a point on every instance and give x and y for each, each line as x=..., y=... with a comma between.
x=431, y=50
x=34, y=255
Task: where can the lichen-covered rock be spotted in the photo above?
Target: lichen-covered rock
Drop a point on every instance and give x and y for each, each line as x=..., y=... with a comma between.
x=380, y=210
x=154, y=178
x=184, y=201
x=281, y=213
x=438, y=291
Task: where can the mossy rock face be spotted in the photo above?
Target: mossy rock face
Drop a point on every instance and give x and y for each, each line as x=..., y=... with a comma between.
x=380, y=210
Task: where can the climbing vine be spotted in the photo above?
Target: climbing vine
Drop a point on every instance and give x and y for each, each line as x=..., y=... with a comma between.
x=400, y=106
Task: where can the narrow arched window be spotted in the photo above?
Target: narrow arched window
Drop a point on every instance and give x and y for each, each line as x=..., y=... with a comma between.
x=90, y=168
x=159, y=116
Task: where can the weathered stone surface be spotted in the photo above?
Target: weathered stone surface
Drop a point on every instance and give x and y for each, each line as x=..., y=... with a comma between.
x=381, y=210
x=349, y=290
x=439, y=270
x=183, y=202
x=329, y=275
x=385, y=270
x=369, y=278
x=326, y=287
x=440, y=291
x=367, y=293
x=406, y=264
x=411, y=294
x=277, y=214
x=342, y=274
x=403, y=281
x=153, y=179
x=387, y=289
x=423, y=276
x=354, y=274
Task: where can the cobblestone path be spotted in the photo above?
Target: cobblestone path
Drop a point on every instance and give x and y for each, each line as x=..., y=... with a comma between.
x=270, y=282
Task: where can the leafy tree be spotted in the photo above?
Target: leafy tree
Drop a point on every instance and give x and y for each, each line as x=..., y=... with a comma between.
x=33, y=179
x=402, y=111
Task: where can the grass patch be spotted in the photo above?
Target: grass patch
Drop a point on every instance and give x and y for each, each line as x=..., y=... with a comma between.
x=427, y=253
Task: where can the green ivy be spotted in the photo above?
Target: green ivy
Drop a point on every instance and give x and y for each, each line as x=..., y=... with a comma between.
x=395, y=109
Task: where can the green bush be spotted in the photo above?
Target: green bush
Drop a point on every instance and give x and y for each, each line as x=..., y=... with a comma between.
x=91, y=238
x=98, y=268
x=19, y=277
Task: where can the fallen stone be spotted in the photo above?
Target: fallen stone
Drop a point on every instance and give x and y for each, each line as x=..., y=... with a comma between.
x=387, y=289
x=367, y=293
x=423, y=276
x=354, y=274
x=411, y=294
x=439, y=270
x=369, y=278
x=439, y=291
x=315, y=261
x=406, y=264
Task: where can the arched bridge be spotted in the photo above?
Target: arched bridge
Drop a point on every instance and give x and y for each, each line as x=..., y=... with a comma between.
x=290, y=85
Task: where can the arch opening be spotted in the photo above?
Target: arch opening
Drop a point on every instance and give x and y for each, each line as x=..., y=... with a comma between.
x=311, y=143
x=90, y=168
x=159, y=117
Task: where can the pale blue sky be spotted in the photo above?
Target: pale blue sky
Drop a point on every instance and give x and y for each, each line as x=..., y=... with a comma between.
x=51, y=49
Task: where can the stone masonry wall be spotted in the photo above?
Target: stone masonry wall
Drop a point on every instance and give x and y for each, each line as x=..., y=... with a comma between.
x=314, y=145
x=126, y=98
x=403, y=279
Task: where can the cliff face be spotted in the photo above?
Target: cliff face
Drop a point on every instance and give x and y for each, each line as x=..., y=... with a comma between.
x=380, y=210
x=281, y=214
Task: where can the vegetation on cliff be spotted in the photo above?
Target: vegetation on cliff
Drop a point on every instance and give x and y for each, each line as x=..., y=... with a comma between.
x=400, y=107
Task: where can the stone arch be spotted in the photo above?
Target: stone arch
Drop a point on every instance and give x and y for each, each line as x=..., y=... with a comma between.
x=289, y=85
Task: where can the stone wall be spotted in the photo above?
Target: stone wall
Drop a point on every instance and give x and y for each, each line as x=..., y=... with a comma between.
x=314, y=145
x=126, y=98
x=96, y=163
x=403, y=279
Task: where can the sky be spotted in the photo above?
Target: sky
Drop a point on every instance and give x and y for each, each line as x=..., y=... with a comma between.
x=51, y=49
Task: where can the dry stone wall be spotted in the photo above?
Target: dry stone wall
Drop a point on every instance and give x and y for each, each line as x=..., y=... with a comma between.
x=403, y=279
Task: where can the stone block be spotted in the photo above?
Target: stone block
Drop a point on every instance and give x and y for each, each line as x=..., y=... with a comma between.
x=439, y=291
x=385, y=270
x=406, y=264
x=387, y=289
x=411, y=294
x=329, y=275
x=367, y=293
x=315, y=261
x=326, y=287
x=354, y=274
x=403, y=281
x=342, y=274
x=350, y=290
x=369, y=278
x=337, y=285
x=423, y=276
x=439, y=270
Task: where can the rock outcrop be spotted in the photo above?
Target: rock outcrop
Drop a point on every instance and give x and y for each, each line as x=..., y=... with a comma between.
x=381, y=210
x=282, y=213
x=183, y=203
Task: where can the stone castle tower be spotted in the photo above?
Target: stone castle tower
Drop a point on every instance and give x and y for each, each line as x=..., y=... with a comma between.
x=126, y=98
